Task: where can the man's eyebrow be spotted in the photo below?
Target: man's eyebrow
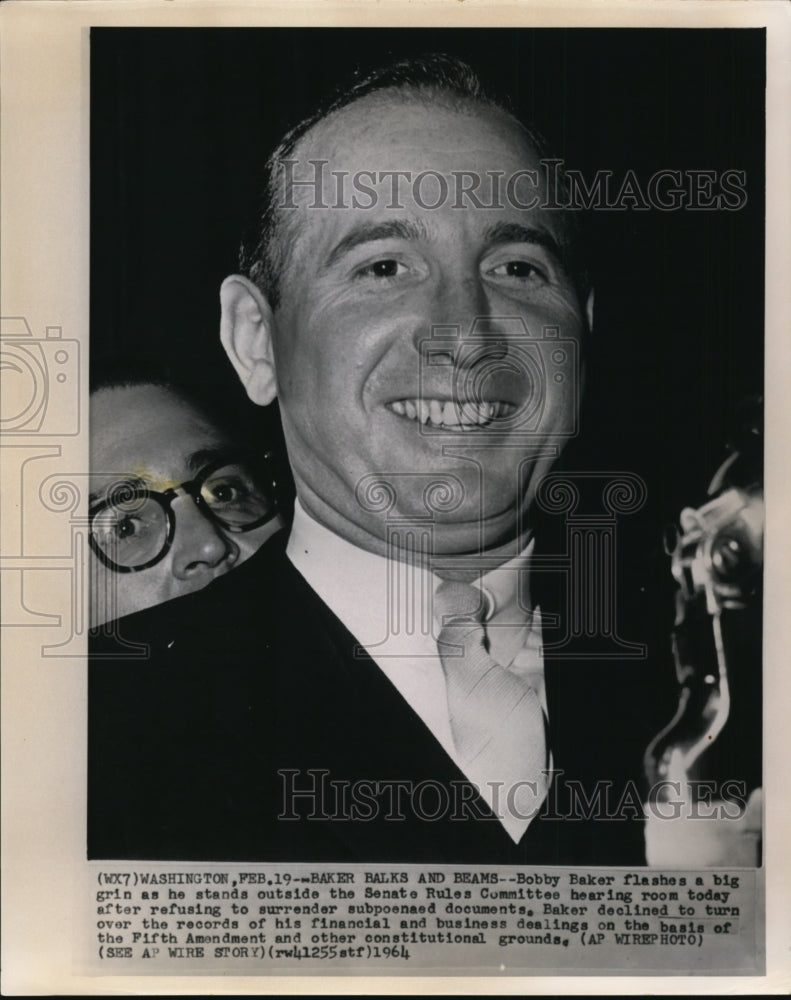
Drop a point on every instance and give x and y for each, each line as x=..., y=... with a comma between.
x=196, y=461
x=131, y=482
x=205, y=456
x=369, y=232
x=516, y=232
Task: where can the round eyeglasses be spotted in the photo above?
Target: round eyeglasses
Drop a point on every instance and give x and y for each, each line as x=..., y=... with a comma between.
x=132, y=528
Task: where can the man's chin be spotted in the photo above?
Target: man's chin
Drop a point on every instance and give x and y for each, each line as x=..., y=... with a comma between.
x=463, y=530
x=488, y=536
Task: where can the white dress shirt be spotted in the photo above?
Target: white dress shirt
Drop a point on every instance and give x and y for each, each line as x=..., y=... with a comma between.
x=387, y=607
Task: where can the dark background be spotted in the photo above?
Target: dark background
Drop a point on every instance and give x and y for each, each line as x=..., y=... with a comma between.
x=181, y=120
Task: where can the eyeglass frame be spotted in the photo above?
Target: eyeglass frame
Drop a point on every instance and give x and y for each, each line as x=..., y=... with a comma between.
x=190, y=488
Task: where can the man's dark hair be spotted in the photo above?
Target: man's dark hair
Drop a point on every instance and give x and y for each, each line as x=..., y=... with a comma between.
x=434, y=78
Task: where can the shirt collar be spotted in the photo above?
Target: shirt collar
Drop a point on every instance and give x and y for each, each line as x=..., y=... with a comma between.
x=376, y=596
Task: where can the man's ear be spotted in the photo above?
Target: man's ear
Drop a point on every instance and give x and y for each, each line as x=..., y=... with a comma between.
x=246, y=327
x=589, y=309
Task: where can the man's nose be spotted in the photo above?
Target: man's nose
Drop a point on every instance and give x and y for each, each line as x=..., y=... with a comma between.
x=461, y=298
x=198, y=544
x=462, y=310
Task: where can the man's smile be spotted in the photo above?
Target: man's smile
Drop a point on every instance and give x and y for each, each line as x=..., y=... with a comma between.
x=453, y=414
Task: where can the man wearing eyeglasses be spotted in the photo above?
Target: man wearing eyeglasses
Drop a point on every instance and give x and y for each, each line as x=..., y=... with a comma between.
x=174, y=504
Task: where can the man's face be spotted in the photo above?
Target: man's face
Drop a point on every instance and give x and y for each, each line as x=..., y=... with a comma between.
x=147, y=436
x=363, y=291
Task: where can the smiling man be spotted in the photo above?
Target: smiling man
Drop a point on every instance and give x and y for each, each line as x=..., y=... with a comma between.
x=347, y=292
x=376, y=689
x=412, y=302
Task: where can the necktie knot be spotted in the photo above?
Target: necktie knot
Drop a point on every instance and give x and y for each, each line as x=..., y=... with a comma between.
x=458, y=603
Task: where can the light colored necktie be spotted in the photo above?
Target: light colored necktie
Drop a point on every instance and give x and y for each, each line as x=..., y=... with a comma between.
x=496, y=718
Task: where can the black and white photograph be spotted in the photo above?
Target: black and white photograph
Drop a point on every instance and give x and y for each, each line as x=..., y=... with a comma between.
x=509, y=339
x=419, y=523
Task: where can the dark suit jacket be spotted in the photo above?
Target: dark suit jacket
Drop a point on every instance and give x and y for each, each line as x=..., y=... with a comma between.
x=252, y=688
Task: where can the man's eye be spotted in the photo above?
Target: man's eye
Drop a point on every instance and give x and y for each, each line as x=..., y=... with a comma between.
x=125, y=528
x=385, y=268
x=225, y=493
x=118, y=528
x=518, y=269
x=232, y=491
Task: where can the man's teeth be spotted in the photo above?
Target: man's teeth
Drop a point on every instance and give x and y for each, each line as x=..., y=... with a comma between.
x=448, y=413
